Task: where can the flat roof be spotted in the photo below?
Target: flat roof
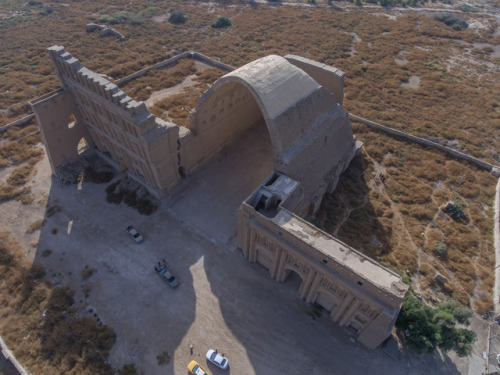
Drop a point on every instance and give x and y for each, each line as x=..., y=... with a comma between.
x=341, y=253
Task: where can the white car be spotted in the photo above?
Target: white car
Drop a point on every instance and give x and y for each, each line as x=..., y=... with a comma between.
x=136, y=236
x=217, y=359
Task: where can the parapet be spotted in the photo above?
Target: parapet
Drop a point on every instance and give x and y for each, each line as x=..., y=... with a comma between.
x=72, y=73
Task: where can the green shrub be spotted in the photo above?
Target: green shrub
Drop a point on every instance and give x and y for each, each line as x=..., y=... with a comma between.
x=121, y=17
x=177, y=17
x=221, y=22
x=451, y=20
x=441, y=249
x=128, y=369
x=426, y=328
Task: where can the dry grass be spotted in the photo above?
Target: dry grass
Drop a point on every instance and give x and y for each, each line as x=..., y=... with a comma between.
x=404, y=217
x=87, y=272
x=21, y=175
x=141, y=88
x=56, y=343
x=37, y=225
x=8, y=192
x=176, y=107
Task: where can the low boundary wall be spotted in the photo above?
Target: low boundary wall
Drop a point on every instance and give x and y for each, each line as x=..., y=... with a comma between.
x=173, y=61
x=7, y=353
x=18, y=122
x=493, y=169
x=496, y=235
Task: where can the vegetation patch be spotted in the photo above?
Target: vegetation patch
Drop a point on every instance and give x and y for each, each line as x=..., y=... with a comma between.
x=451, y=20
x=37, y=225
x=141, y=88
x=177, y=17
x=221, y=22
x=424, y=329
x=128, y=369
x=402, y=218
x=87, y=169
x=59, y=341
x=87, y=272
x=163, y=358
x=21, y=175
x=133, y=194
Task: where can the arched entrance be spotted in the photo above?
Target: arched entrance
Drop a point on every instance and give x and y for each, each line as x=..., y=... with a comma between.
x=293, y=279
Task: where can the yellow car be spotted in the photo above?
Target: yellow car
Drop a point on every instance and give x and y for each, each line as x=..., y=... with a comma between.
x=196, y=369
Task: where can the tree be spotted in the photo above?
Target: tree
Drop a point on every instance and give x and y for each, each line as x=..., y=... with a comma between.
x=177, y=17
x=427, y=328
x=221, y=22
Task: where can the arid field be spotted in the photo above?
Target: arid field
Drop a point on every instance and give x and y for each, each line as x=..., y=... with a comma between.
x=404, y=68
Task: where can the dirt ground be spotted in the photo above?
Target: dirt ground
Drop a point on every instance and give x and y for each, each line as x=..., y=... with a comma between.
x=223, y=301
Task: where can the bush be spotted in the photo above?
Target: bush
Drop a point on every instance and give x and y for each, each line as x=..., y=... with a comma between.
x=451, y=20
x=221, y=22
x=177, y=17
x=121, y=17
x=441, y=249
x=37, y=225
x=426, y=328
x=21, y=175
x=128, y=369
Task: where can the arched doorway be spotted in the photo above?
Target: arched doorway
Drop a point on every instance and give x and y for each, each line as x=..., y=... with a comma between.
x=293, y=279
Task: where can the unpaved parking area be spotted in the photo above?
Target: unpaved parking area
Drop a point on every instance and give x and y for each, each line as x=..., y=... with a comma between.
x=222, y=301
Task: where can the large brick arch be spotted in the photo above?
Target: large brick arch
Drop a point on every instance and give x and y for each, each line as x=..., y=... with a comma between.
x=289, y=100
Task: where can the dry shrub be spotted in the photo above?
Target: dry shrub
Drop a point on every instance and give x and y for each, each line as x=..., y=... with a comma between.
x=20, y=152
x=458, y=293
x=430, y=170
x=59, y=342
x=176, y=107
x=423, y=213
x=21, y=175
x=482, y=305
x=154, y=80
x=37, y=225
x=87, y=272
x=426, y=269
x=209, y=75
x=433, y=237
x=8, y=192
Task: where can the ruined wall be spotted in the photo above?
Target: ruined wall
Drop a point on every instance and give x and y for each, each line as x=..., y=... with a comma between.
x=356, y=291
x=60, y=135
x=327, y=76
x=117, y=126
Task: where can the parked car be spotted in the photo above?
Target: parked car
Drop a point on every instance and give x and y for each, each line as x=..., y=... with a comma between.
x=166, y=275
x=196, y=369
x=136, y=236
x=217, y=359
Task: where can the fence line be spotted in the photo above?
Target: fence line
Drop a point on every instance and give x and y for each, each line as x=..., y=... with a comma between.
x=493, y=169
x=7, y=353
x=19, y=122
x=173, y=61
x=496, y=236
